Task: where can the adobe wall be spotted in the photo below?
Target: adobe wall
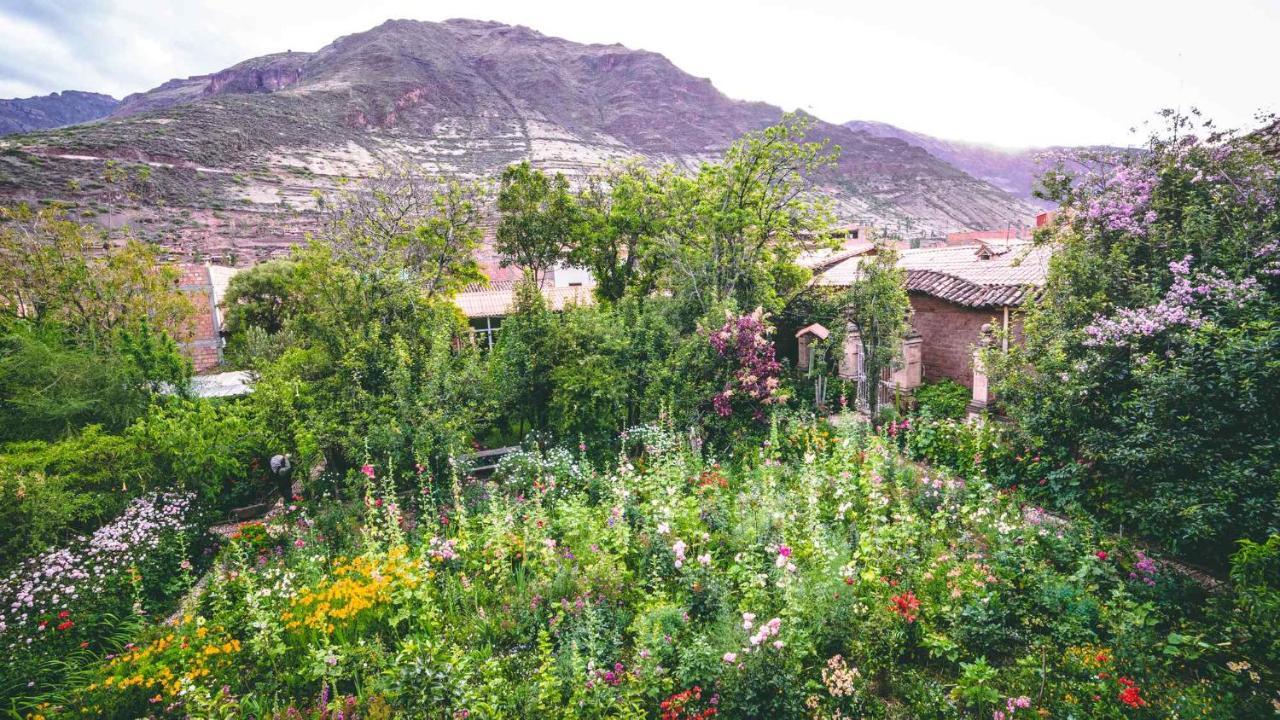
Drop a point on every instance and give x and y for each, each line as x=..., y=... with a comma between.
x=950, y=331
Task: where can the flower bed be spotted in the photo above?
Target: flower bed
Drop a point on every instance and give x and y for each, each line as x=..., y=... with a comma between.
x=843, y=583
x=73, y=598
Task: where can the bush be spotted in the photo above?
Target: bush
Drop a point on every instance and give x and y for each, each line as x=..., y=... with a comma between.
x=944, y=400
x=208, y=447
x=1149, y=356
x=52, y=491
x=1255, y=571
x=50, y=385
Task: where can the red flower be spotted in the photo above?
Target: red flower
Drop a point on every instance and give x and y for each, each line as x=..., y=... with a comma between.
x=1101, y=554
x=64, y=614
x=906, y=605
x=66, y=625
x=1132, y=694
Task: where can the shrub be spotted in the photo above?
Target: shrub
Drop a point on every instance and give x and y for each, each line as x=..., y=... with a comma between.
x=52, y=491
x=1148, y=354
x=944, y=400
x=207, y=447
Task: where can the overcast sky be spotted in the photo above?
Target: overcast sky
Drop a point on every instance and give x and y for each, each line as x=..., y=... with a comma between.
x=1005, y=72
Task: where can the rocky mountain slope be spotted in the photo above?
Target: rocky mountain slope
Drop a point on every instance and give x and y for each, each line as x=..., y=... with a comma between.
x=234, y=159
x=1012, y=170
x=54, y=110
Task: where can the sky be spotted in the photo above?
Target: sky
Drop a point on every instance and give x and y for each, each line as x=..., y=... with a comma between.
x=1012, y=73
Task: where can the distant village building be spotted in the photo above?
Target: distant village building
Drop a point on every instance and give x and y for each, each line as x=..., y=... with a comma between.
x=1009, y=234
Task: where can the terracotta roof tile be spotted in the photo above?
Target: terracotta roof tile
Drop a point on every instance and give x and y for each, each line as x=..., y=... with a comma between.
x=497, y=299
x=982, y=275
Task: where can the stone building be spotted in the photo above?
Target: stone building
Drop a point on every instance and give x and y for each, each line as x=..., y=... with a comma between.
x=956, y=292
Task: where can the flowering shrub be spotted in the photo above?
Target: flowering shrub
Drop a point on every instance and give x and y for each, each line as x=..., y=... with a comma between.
x=753, y=383
x=73, y=596
x=1147, y=356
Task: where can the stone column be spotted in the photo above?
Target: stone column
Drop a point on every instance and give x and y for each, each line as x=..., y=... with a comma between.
x=981, y=390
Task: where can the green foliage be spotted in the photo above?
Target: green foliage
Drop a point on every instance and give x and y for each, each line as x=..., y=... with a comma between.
x=943, y=400
x=586, y=372
x=736, y=227
x=523, y=359
x=377, y=371
x=878, y=306
x=400, y=219
x=816, y=574
x=50, y=385
x=1255, y=571
x=259, y=297
x=539, y=218
x=211, y=448
x=52, y=491
x=1149, y=357
x=620, y=214
x=70, y=275
x=83, y=326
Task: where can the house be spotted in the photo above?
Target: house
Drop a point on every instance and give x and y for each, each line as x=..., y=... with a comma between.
x=486, y=304
x=959, y=295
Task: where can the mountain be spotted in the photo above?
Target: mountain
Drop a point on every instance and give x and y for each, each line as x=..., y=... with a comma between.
x=236, y=157
x=1012, y=170
x=54, y=110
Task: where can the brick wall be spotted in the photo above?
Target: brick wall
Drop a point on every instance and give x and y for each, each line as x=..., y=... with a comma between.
x=201, y=342
x=950, y=331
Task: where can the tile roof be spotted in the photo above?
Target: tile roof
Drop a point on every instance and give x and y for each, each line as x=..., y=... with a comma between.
x=497, y=299
x=816, y=329
x=981, y=275
x=821, y=259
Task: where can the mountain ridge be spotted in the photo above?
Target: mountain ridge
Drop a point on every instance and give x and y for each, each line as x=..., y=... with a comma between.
x=41, y=112
x=242, y=151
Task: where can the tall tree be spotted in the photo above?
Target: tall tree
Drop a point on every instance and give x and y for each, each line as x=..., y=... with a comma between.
x=53, y=269
x=525, y=357
x=408, y=220
x=735, y=229
x=539, y=219
x=620, y=212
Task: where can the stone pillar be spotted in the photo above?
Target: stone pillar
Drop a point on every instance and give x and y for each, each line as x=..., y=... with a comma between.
x=910, y=373
x=804, y=352
x=851, y=354
x=981, y=390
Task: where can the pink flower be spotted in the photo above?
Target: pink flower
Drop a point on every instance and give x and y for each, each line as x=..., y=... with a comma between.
x=730, y=657
x=1101, y=554
x=367, y=469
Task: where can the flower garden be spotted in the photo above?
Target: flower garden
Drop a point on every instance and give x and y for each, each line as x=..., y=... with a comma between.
x=679, y=526
x=822, y=575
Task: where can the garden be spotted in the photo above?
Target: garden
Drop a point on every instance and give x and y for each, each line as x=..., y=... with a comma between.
x=679, y=532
